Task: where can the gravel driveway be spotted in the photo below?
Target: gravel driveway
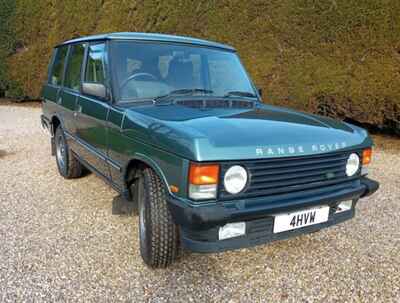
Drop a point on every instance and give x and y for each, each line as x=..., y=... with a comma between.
x=60, y=242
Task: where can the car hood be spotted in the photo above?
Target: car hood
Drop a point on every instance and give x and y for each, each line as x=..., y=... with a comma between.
x=241, y=130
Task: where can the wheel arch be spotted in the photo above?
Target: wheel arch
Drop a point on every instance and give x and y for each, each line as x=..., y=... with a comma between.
x=138, y=162
x=56, y=121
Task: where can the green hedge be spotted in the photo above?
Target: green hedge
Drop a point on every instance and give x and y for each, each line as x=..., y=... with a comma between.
x=7, y=46
x=334, y=57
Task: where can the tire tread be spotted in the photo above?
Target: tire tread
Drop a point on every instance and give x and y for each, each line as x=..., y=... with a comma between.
x=163, y=233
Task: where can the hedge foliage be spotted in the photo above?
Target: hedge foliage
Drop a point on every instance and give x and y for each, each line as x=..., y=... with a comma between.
x=335, y=57
x=7, y=44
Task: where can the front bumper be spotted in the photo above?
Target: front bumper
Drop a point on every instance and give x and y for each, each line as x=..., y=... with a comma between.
x=200, y=224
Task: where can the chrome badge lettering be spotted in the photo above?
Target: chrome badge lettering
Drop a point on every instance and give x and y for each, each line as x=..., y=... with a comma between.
x=298, y=149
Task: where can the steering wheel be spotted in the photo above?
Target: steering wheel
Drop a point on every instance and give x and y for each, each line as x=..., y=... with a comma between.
x=132, y=77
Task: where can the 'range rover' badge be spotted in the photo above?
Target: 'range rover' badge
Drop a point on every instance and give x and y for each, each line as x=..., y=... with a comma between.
x=286, y=150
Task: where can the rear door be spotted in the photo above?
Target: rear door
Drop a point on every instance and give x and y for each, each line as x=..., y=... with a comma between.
x=69, y=94
x=52, y=91
x=92, y=112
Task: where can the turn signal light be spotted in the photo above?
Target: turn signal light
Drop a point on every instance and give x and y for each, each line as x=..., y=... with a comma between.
x=367, y=156
x=203, y=180
x=203, y=174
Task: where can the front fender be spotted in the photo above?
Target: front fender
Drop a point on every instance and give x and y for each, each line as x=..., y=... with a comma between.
x=171, y=168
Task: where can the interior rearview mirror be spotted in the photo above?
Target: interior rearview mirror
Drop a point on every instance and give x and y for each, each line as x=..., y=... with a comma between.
x=94, y=89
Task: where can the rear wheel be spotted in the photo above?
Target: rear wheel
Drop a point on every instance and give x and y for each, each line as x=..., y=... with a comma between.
x=159, y=236
x=68, y=165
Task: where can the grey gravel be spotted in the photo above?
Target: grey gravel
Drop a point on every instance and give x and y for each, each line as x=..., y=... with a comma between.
x=60, y=242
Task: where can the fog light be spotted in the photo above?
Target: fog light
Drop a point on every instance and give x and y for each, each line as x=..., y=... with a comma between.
x=232, y=230
x=343, y=206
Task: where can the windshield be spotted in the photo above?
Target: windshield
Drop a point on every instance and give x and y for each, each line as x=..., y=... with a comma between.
x=150, y=70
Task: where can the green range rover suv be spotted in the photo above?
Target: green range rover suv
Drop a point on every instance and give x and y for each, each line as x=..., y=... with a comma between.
x=176, y=126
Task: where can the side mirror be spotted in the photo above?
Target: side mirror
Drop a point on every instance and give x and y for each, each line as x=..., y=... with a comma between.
x=260, y=91
x=94, y=89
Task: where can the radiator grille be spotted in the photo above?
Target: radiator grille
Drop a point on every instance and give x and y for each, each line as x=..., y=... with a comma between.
x=299, y=175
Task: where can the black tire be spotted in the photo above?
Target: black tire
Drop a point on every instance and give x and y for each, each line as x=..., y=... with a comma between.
x=159, y=236
x=68, y=165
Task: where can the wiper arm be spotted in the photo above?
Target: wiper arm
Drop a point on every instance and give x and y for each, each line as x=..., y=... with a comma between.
x=186, y=91
x=240, y=93
x=183, y=91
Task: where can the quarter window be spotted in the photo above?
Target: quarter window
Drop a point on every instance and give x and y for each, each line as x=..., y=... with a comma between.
x=95, y=72
x=58, y=66
x=73, y=74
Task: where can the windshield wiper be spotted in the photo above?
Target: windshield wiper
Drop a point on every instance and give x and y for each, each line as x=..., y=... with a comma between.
x=240, y=93
x=183, y=91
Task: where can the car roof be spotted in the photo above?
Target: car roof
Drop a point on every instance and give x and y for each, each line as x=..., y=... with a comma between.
x=149, y=37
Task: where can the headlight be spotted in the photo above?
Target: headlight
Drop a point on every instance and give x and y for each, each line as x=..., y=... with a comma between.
x=235, y=179
x=353, y=164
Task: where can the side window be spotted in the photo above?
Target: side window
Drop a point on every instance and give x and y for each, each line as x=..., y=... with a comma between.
x=73, y=73
x=58, y=66
x=95, y=72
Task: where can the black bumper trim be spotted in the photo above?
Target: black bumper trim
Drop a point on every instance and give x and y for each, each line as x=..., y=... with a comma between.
x=199, y=225
x=371, y=187
x=257, y=232
x=205, y=217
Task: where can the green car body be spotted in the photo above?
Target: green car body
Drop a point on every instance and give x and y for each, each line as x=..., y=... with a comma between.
x=169, y=134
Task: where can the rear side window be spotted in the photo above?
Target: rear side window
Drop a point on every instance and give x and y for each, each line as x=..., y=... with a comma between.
x=75, y=59
x=58, y=66
x=95, y=72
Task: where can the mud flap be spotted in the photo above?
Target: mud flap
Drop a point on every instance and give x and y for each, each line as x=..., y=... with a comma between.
x=122, y=206
x=53, y=146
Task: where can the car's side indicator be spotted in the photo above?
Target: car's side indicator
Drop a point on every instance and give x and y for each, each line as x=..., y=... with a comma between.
x=174, y=188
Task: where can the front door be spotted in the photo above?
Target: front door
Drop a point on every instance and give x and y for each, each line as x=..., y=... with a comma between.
x=91, y=113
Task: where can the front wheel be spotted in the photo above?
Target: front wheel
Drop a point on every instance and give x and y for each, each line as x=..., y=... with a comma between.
x=159, y=236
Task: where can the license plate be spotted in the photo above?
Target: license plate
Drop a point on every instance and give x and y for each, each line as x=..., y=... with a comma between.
x=298, y=219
